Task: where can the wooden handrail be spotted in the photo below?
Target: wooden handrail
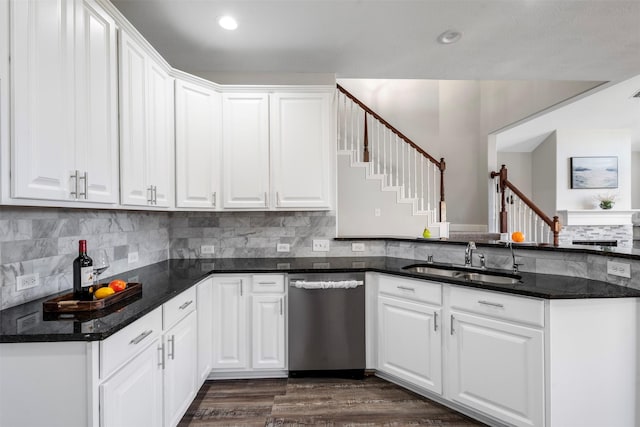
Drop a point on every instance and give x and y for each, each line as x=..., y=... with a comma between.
x=554, y=223
x=441, y=165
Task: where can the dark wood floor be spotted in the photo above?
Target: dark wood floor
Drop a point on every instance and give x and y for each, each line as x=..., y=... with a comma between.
x=315, y=401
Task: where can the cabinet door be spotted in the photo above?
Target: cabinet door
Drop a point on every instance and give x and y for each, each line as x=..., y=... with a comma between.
x=409, y=342
x=180, y=375
x=267, y=332
x=97, y=102
x=133, y=123
x=496, y=367
x=42, y=145
x=198, y=134
x=160, y=120
x=230, y=322
x=132, y=397
x=302, y=138
x=245, y=145
x=205, y=328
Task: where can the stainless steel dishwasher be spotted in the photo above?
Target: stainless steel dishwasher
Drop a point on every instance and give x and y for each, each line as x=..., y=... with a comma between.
x=326, y=325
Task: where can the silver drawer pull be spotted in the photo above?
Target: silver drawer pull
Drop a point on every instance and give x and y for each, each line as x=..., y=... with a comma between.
x=267, y=283
x=140, y=337
x=404, y=288
x=492, y=304
x=185, y=305
x=435, y=322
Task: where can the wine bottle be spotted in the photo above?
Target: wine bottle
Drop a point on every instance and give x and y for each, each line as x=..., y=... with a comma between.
x=82, y=273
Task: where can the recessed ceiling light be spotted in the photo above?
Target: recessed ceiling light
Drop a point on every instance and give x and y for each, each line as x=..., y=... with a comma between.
x=449, y=36
x=228, y=22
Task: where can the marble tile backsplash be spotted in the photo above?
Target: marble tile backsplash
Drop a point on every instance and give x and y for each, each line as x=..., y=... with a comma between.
x=45, y=241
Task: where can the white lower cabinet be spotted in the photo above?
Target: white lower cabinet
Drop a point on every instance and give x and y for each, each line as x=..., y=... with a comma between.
x=249, y=319
x=180, y=373
x=267, y=332
x=409, y=342
x=496, y=367
x=133, y=396
x=204, y=310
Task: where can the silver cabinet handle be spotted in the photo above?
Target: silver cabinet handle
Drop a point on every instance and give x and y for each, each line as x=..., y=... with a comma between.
x=150, y=195
x=267, y=283
x=85, y=178
x=140, y=337
x=277, y=198
x=404, y=288
x=74, y=176
x=280, y=306
x=240, y=287
x=172, y=353
x=214, y=199
x=161, y=351
x=155, y=195
x=185, y=305
x=435, y=322
x=266, y=199
x=452, y=319
x=492, y=304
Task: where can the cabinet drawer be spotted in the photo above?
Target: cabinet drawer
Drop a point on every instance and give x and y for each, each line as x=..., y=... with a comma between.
x=128, y=342
x=267, y=284
x=178, y=307
x=498, y=305
x=414, y=290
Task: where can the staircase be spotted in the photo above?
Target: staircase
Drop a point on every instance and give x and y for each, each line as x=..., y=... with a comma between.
x=389, y=186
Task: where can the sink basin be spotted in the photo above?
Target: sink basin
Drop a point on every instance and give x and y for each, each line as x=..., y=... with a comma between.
x=485, y=277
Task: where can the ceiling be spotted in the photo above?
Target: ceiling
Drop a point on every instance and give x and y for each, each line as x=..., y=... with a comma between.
x=502, y=39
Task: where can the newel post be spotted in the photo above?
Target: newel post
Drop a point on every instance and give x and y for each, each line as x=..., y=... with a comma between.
x=556, y=231
x=365, y=155
x=503, y=205
x=443, y=205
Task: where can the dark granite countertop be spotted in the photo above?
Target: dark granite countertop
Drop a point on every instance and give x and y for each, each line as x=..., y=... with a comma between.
x=164, y=280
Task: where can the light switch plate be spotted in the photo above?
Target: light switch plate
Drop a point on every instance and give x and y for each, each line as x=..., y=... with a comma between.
x=357, y=247
x=282, y=247
x=133, y=257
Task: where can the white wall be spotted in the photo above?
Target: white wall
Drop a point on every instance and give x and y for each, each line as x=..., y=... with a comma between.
x=635, y=180
x=583, y=143
x=543, y=160
x=519, y=170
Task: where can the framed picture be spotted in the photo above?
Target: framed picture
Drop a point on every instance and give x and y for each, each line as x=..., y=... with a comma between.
x=594, y=172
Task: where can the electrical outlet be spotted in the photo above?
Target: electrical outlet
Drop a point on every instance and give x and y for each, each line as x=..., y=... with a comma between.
x=207, y=249
x=377, y=212
x=27, y=281
x=282, y=247
x=357, y=247
x=320, y=246
x=133, y=279
x=133, y=257
x=621, y=269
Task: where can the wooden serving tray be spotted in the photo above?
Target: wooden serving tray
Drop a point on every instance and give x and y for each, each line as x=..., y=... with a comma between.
x=66, y=304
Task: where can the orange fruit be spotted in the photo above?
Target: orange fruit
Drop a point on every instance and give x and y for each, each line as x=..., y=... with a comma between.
x=118, y=285
x=517, y=236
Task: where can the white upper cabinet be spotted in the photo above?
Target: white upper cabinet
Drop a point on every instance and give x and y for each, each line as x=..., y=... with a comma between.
x=146, y=121
x=65, y=139
x=198, y=152
x=302, y=138
x=278, y=150
x=246, y=150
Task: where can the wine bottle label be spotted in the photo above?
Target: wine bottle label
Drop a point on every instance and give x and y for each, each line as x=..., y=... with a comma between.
x=86, y=276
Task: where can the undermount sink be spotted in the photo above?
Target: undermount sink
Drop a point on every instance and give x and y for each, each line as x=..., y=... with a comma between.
x=485, y=277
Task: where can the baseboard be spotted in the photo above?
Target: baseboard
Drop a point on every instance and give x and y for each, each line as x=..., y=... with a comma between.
x=247, y=375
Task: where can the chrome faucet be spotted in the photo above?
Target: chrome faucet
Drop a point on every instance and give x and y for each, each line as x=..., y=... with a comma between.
x=513, y=258
x=468, y=254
